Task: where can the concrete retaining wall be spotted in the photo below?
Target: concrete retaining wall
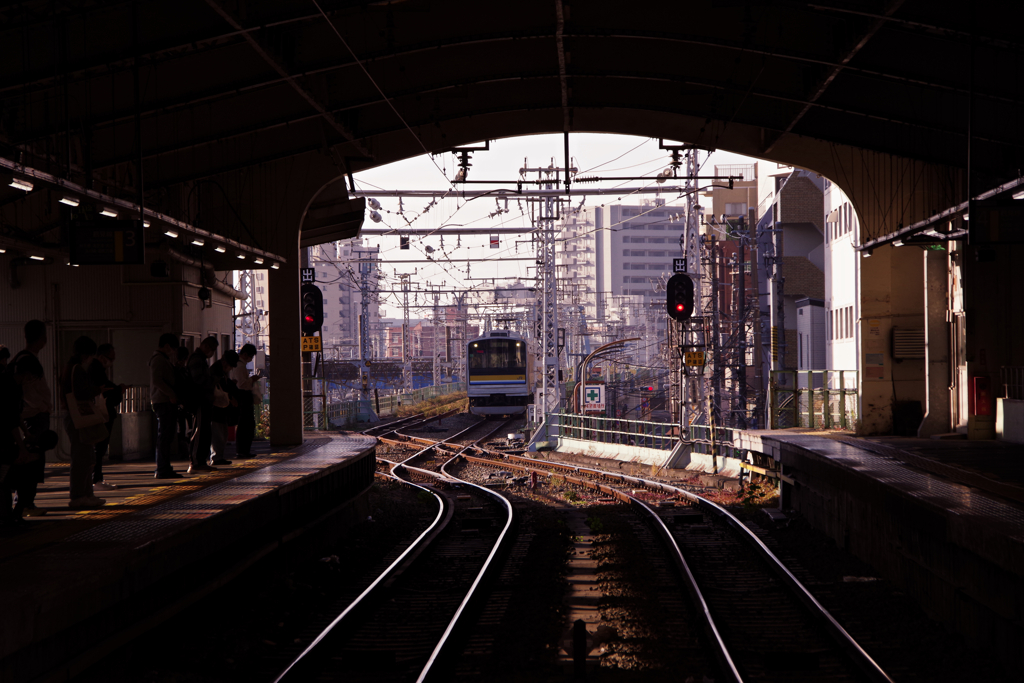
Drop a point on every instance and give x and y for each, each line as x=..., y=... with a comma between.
x=964, y=572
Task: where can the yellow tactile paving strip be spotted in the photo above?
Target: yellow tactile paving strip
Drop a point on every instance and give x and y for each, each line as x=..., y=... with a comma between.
x=137, y=490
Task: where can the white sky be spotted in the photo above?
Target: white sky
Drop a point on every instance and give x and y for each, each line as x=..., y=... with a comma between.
x=592, y=154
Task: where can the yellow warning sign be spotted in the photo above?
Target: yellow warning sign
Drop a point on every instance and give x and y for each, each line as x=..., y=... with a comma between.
x=694, y=358
x=312, y=344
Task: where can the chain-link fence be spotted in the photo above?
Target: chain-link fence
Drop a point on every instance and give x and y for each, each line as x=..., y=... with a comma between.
x=819, y=399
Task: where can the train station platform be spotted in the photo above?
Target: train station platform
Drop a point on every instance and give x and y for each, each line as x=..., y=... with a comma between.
x=942, y=519
x=77, y=584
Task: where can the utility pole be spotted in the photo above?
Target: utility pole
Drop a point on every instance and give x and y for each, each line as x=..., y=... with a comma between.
x=436, y=369
x=364, y=328
x=406, y=349
x=716, y=335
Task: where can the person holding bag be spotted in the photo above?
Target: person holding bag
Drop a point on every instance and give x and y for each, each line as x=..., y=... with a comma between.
x=84, y=421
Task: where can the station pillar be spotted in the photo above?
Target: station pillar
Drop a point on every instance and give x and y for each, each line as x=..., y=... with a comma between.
x=286, y=352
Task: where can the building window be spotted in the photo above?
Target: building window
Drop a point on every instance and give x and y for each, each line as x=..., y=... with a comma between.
x=735, y=209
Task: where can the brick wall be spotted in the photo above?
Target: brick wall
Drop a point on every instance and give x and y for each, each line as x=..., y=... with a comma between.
x=803, y=278
x=800, y=201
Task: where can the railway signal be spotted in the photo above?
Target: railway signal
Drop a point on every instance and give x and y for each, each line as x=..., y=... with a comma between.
x=679, y=297
x=312, y=309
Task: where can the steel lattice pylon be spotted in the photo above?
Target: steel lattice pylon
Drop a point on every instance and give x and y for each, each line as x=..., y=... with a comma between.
x=549, y=310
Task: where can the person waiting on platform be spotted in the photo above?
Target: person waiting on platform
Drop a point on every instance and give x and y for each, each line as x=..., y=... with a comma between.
x=201, y=396
x=13, y=449
x=185, y=412
x=248, y=391
x=165, y=402
x=113, y=394
x=76, y=386
x=225, y=406
x=35, y=417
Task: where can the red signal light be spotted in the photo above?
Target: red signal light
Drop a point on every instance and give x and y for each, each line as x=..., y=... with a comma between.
x=309, y=318
x=680, y=307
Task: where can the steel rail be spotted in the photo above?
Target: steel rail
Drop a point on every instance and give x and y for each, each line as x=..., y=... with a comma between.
x=846, y=642
x=499, y=545
x=395, y=569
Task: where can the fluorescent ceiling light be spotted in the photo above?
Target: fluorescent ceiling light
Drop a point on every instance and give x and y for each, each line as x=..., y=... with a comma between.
x=20, y=184
x=70, y=201
x=38, y=258
x=109, y=213
x=198, y=242
x=219, y=249
x=967, y=217
x=1019, y=194
x=241, y=256
x=258, y=261
x=275, y=266
x=145, y=223
x=3, y=251
x=898, y=243
x=171, y=233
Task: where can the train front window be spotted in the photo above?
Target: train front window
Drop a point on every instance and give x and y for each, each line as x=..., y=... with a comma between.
x=497, y=354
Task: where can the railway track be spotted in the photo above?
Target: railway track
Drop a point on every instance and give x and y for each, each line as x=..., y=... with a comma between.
x=762, y=623
x=402, y=625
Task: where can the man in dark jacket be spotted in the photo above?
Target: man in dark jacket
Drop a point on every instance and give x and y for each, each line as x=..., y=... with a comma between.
x=198, y=368
x=164, y=399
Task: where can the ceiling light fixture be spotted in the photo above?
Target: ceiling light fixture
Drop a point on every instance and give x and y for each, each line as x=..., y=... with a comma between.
x=1018, y=195
x=241, y=256
x=219, y=249
x=258, y=261
x=275, y=266
x=20, y=184
x=109, y=213
x=3, y=251
x=170, y=233
x=145, y=223
x=198, y=242
x=38, y=258
x=70, y=201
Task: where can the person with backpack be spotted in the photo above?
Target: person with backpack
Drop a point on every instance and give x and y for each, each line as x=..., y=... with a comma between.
x=165, y=403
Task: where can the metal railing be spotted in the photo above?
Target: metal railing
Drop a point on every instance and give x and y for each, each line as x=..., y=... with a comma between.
x=710, y=440
x=658, y=435
x=321, y=413
x=136, y=399
x=388, y=405
x=1011, y=380
x=823, y=399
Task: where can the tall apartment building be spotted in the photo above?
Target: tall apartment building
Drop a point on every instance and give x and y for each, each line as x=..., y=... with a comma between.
x=338, y=275
x=842, y=282
x=613, y=261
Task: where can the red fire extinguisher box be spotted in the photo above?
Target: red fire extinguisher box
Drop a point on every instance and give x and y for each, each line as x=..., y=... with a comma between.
x=980, y=402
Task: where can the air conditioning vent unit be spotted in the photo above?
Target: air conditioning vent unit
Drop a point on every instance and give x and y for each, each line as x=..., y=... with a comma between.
x=907, y=344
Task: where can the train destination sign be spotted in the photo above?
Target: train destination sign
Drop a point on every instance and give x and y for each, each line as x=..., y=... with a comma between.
x=106, y=243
